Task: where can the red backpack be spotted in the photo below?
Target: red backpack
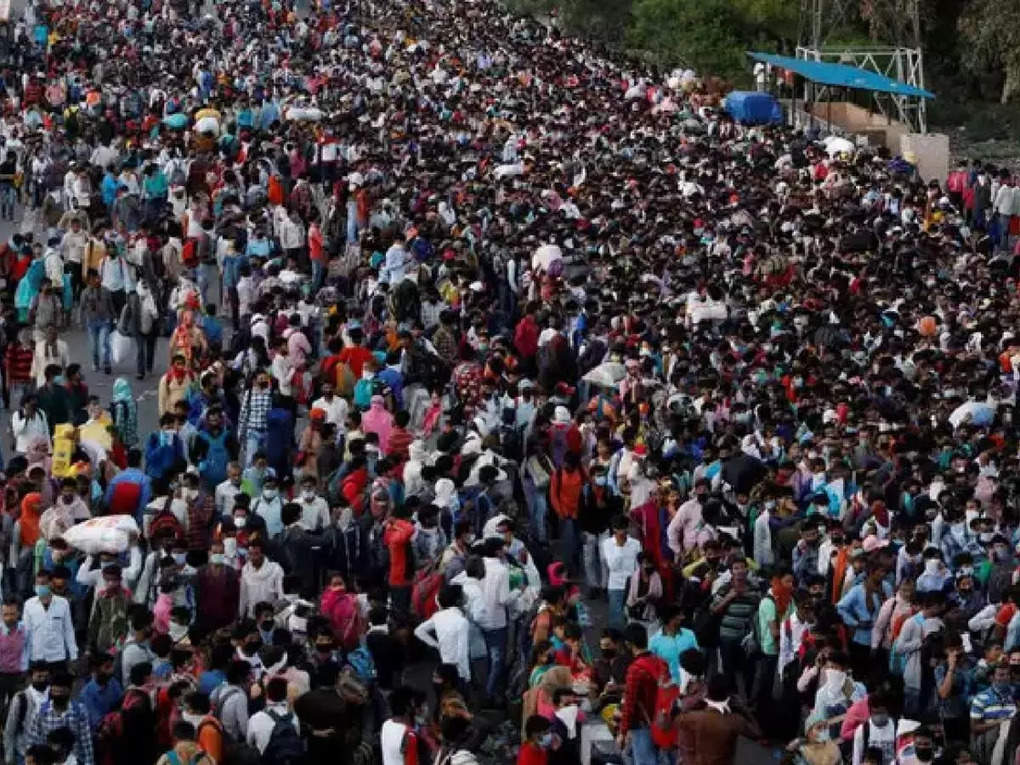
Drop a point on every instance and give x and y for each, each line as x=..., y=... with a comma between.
x=124, y=498
x=424, y=592
x=189, y=253
x=165, y=523
x=660, y=721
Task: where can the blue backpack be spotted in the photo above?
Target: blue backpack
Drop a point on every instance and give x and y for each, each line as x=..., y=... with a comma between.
x=213, y=467
x=361, y=661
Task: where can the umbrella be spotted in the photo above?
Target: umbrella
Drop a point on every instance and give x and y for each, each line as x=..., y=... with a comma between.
x=544, y=256
x=835, y=145
x=606, y=374
x=176, y=121
x=980, y=414
x=743, y=472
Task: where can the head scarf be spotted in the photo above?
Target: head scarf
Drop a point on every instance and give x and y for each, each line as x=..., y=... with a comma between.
x=782, y=596
x=379, y=421
x=31, y=508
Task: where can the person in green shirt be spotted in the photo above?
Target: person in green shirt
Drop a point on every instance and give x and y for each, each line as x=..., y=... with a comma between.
x=772, y=610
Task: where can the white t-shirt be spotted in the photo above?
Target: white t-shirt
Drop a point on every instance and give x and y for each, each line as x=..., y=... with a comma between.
x=621, y=560
x=392, y=742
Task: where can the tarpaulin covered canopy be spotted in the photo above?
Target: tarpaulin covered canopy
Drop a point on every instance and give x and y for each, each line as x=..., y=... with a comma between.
x=753, y=108
x=841, y=75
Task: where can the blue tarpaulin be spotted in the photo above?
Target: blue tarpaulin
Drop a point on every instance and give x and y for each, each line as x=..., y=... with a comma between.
x=753, y=108
x=841, y=75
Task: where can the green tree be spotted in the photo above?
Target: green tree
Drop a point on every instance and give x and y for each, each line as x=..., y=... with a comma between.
x=706, y=35
x=992, y=42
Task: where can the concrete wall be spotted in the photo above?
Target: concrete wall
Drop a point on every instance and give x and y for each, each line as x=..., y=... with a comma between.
x=931, y=151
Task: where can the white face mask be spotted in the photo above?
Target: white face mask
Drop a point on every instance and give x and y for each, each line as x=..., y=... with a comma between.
x=241, y=521
x=194, y=719
x=178, y=631
x=834, y=678
x=931, y=566
x=269, y=494
x=309, y=495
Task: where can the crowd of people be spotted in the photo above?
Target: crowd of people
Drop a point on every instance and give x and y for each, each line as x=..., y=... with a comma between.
x=517, y=405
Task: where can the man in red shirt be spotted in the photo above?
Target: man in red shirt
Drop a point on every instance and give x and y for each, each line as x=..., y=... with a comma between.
x=355, y=355
x=397, y=534
x=316, y=253
x=639, y=695
x=17, y=370
x=537, y=740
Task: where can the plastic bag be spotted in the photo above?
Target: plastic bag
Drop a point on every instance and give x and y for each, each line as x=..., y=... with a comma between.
x=121, y=347
x=109, y=534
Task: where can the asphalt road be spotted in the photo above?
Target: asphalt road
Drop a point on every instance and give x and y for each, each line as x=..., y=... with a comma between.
x=78, y=345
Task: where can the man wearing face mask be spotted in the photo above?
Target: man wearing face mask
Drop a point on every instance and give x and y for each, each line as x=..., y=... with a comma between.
x=60, y=712
x=683, y=528
x=269, y=506
x=261, y=580
x=989, y=709
x=49, y=627
x=877, y=732
x=227, y=490
x=108, y=623
x=314, y=509
x=103, y=693
x=22, y=712
x=217, y=591
x=936, y=577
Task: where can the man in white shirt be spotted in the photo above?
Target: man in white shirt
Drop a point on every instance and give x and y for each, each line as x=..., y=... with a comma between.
x=397, y=735
x=261, y=580
x=620, y=553
x=335, y=407
x=447, y=631
x=226, y=491
x=261, y=724
x=496, y=598
x=314, y=509
x=50, y=632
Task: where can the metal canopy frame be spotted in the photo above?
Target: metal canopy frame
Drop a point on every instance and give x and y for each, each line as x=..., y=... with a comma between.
x=902, y=60
x=899, y=63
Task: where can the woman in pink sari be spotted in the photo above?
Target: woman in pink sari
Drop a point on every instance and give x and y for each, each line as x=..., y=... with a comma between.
x=379, y=421
x=341, y=608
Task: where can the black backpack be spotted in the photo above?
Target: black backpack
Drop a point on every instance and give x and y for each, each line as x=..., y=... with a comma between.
x=285, y=746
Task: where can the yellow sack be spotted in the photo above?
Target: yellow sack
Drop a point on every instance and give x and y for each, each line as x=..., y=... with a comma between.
x=63, y=448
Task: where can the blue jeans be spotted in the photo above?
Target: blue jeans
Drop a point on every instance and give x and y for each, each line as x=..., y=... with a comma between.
x=642, y=749
x=617, y=617
x=8, y=199
x=538, y=510
x=352, y=223
x=495, y=646
x=208, y=280
x=252, y=443
x=99, y=339
x=570, y=536
x=318, y=272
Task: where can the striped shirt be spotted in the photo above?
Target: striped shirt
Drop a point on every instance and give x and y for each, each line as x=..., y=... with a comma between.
x=992, y=705
x=18, y=360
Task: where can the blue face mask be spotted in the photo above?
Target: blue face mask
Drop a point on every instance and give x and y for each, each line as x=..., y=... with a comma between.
x=546, y=741
x=42, y=590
